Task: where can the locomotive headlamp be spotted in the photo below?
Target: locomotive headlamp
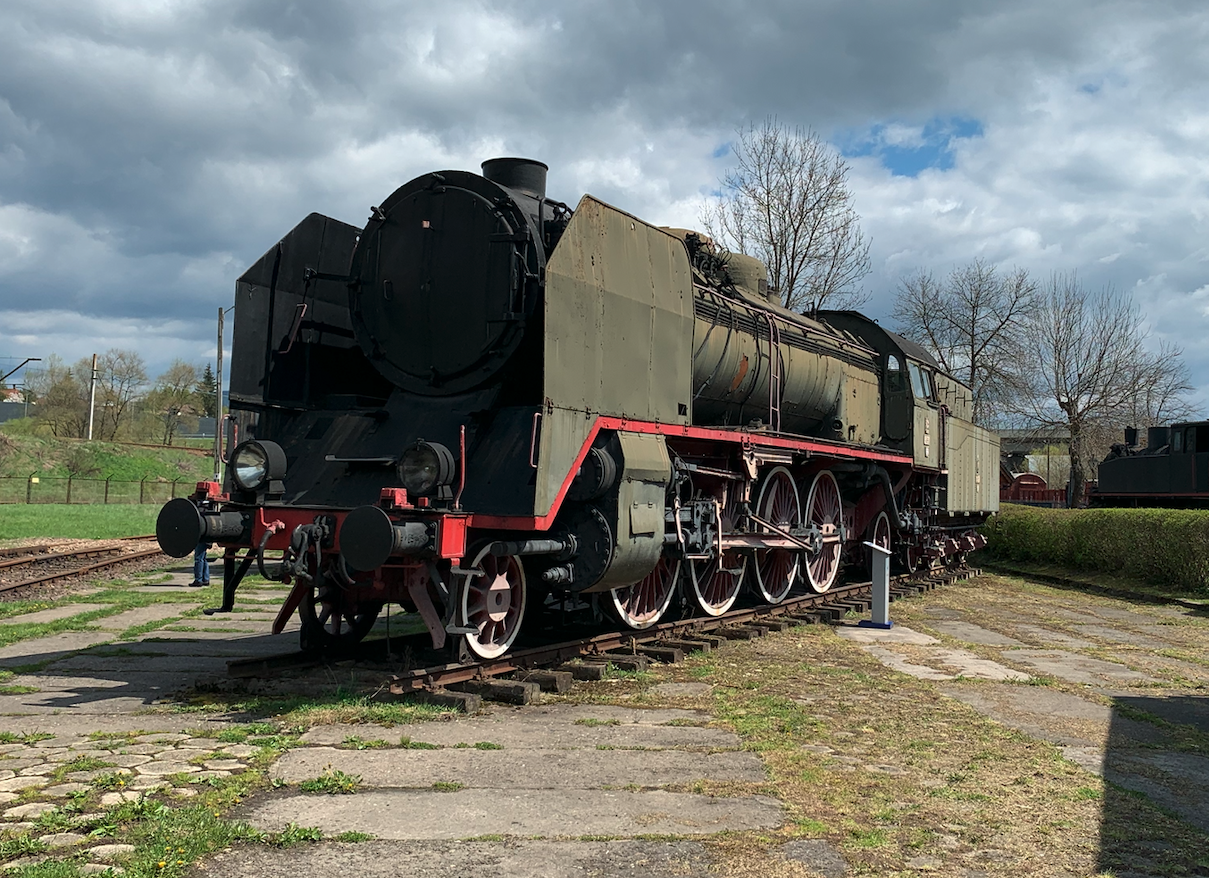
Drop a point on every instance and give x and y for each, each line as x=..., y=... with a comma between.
x=257, y=464
x=425, y=467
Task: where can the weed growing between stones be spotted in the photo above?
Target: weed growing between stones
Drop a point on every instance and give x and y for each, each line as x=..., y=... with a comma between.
x=332, y=781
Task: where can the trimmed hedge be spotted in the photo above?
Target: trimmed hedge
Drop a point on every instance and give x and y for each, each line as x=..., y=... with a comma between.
x=1169, y=547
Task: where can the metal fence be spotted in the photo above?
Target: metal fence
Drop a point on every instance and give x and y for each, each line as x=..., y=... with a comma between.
x=71, y=489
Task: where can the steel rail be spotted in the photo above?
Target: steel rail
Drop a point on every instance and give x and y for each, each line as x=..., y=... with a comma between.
x=599, y=646
x=80, y=571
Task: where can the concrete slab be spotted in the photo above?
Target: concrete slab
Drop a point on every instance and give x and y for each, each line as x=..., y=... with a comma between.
x=1055, y=716
x=972, y=633
x=413, y=814
x=141, y=616
x=1118, y=635
x=896, y=662
x=897, y=634
x=1050, y=637
x=517, y=858
x=144, y=661
x=520, y=769
x=1076, y=668
x=54, y=614
x=554, y=727
x=231, y=645
x=55, y=646
x=967, y=664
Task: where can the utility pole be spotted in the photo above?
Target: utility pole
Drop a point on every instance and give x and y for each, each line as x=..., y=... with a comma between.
x=218, y=406
x=92, y=395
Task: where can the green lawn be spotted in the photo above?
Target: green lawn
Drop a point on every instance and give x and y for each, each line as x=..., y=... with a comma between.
x=21, y=521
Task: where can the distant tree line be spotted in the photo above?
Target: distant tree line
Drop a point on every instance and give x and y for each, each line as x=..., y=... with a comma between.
x=1037, y=354
x=1047, y=354
x=127, y=406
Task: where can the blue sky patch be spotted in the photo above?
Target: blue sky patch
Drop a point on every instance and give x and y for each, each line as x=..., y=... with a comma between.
x=907, y=150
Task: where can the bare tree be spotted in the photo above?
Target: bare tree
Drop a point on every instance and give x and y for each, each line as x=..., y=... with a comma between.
x=787, y=202
x=62, y=398
x=1163, y=385
x=1089, y=369
x=173, y=392
x=973, y=324
x=121, y=375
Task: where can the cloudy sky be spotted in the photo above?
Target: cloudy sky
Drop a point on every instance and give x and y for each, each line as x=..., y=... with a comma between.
x=150, y=150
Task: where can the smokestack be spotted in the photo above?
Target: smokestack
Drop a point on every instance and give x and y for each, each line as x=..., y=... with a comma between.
x=527, y=176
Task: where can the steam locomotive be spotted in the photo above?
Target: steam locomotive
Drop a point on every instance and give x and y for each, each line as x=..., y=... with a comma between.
x=485, y=404
x=1171, y=469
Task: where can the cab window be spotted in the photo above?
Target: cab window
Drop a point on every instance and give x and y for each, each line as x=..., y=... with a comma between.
x=896, y=382
x=919, y=382
x=1177, y=441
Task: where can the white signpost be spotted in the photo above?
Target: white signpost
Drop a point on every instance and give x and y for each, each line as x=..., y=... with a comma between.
x=881, y=589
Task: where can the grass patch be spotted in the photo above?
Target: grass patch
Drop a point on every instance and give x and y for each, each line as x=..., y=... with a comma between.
x=85, y=522
x=592, y=722
x=355, y=743
x=294, y=834
x=24, y=737
x=448, y=786
x=333, y=781
x=487, y=745
x=351, y=836
x=409, y=744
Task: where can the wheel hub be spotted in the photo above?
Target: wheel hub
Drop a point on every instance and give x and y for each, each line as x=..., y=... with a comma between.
x=499, y=598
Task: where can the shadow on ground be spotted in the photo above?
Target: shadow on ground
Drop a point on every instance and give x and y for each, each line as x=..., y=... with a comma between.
x=1156, y=768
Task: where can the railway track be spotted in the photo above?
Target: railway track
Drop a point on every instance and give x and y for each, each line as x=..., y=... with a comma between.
x=518, y=676
x=26, y=566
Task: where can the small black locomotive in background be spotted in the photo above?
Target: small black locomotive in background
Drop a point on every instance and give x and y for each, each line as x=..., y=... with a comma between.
x=485, y=402
x=1171, y=470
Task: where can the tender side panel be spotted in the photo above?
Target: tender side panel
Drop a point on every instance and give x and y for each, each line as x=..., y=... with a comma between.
x=973, y=460
x=618, y=334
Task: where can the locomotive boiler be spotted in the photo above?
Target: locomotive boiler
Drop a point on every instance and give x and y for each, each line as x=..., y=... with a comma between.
x=485, y=404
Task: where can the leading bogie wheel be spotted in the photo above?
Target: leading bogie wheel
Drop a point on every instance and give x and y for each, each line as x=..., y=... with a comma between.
x=332, y=619
x=824, y=510
x=494, y=604
x=777, y=571
x=643, y=604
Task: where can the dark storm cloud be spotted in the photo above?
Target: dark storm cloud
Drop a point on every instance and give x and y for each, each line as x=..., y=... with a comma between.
x=149, y=151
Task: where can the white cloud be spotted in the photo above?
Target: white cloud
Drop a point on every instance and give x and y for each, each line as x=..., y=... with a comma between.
x=150, y=151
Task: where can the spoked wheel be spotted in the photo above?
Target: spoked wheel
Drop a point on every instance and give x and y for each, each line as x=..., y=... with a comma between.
x=777, y=571
x=643, y=604
x=716, y=581
x=824, y=511
x=912, y=558
x=879, y=535
x=332, y=619
x=494, y=604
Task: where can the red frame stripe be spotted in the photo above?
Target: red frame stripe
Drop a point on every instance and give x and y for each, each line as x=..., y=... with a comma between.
x=743, y=439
